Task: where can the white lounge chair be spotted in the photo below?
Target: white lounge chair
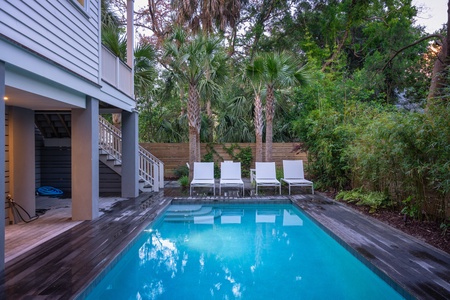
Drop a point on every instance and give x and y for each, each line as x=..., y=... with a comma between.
x=265, y=175
x=230, y=176
x=203, y=176
x=294, y=175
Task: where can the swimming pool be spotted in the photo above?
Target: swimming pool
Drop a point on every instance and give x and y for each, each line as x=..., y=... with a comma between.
x=238, y=252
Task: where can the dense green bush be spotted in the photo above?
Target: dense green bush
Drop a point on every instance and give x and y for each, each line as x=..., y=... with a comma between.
x=326, y=142
x=402, y=155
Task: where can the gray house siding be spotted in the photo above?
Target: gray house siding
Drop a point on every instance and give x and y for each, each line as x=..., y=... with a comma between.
x=55, y=170
x=7, y=177
x=55, y=167
x=57, y=30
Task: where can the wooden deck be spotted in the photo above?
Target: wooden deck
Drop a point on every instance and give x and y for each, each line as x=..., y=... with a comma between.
x=23, y=237
x=63, y=266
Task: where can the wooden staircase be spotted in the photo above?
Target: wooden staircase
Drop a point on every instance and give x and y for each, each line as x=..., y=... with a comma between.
x=151, y=169
x=57, y=126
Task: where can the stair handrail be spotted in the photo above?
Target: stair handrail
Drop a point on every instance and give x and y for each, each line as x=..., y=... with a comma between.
x=110, y=139
x=151, y=169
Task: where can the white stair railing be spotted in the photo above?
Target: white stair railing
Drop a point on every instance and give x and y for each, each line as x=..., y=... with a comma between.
x=110, y=139
x=151, y=169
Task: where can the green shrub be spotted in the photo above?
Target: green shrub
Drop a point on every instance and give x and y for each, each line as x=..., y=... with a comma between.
x=374, y=200
x=184, y=181
x=243, y=155
x=279, y=173
x=181, y=171
x=411, y=208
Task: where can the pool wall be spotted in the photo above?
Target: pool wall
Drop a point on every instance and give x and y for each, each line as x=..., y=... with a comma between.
x=282, y=200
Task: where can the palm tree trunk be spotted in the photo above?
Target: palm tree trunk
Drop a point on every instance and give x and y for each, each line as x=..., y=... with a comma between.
x=209, y=113
x=192, y=150
x=270, y=111
x=194, y=126
x=198, y=147
x=258, y=119
x=117, y=120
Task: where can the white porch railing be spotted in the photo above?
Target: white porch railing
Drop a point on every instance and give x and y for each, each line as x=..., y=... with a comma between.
x=151, y=169
x=116, y=73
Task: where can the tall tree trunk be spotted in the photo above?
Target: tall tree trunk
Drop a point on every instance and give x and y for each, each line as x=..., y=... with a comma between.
x=258, y=119
x=194, y=126
x=198, y=127
x=270, y=111
x=192, y=150
x=210, y=121
x=198, y=147
x=440, y=72
x=117, y=120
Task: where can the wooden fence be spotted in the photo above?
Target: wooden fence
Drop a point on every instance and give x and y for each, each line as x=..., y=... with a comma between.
x=175, y=155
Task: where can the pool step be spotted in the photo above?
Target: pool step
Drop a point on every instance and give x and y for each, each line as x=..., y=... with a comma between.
x=191, y=213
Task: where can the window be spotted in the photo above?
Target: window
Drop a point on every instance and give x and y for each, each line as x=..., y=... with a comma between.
x=83, y=5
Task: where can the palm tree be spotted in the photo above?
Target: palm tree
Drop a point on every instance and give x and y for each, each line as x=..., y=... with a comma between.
x=279, y=70
x=190, y=61
x=216, y=72
x=254, y=72
x=206, y=16
x=145, y=71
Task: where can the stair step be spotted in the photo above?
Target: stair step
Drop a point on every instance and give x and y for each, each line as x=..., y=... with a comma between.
x=183, y=208
x=202, y=215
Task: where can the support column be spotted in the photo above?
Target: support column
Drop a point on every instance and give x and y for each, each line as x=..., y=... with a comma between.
x=22, y=161
x=2, y=171
x=85, y=161
x=130, y=154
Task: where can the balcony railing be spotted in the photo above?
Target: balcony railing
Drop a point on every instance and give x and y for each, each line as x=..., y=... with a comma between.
x=116, y=73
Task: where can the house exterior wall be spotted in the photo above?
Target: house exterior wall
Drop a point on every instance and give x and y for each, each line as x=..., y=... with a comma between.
x=51, y=60
x=7, y=177
x=53, y=49
x=21, y=157
x=57, y=30
x=2, y=164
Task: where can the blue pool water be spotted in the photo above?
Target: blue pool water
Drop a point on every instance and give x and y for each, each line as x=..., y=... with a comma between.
x=239, y=252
